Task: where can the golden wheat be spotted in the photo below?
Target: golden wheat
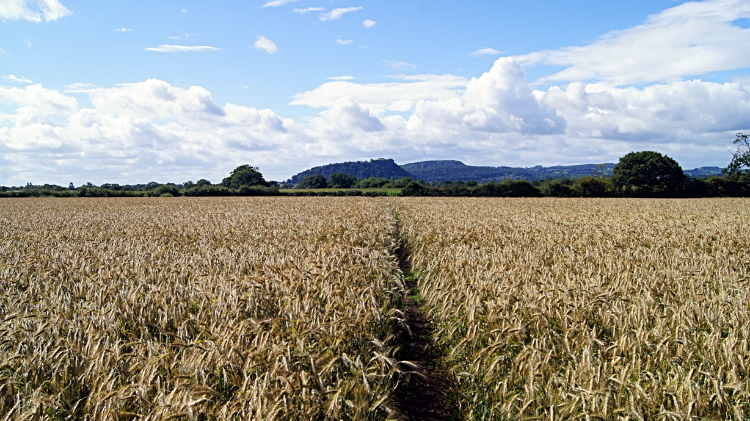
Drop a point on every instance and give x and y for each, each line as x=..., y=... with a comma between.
x=228, y=308
x=590, y=309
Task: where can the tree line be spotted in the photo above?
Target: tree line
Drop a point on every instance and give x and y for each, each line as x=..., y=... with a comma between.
x=637, y=174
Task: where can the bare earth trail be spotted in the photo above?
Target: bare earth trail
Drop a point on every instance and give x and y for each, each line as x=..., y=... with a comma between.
x=424, y=397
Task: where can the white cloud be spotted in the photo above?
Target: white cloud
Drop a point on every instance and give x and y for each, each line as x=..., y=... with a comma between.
x=82, y=88
x=16, y=79
x=341, y=78
x=343, y=41
x=27, y=43
x=309, y=9
x=369, y=23
x=33, y=10
x=691, y=39
x=184, y=11
x=277, y=3
x=486, y=51
x=179, y=37
x=181, y=49
x=123, y=29
x=36, y=103
x=265, y=44
x=155, y=131
x=398, y=65
x=380, y=97
x=337, y=13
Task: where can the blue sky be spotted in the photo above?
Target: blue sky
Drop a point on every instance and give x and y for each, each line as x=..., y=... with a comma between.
x=181, y=90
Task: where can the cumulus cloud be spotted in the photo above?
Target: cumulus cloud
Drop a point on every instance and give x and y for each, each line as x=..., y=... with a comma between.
x=341, y=78
x=344, y=41
x=486, y=51
x=265, y=44
x=155, y=131
x=118, y=138
x=337, y=13
x=16, y=79
x=308, y=10
x=369, y=23
x=33, y=10
x=693, y=38
x=381, y=97
x=181, y=49
x=123, y=29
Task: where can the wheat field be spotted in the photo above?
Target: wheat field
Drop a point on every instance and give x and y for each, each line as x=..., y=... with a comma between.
x=293, y=308
x=220, y=308
x=588, y=309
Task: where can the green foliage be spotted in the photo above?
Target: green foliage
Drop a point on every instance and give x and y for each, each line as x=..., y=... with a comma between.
x=413, y=189
x=341, y=181
x=401, y=182
x=648, y=170
x=740, y=159
x=560, y=187
x=169, y=189
x=244, y=175
x=203, y=182
x=372, y=183
x=315, y=181
x=592, y=187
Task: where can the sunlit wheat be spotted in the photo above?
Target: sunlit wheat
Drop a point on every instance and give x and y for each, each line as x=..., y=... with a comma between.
x=224, y=308
x=588, y=309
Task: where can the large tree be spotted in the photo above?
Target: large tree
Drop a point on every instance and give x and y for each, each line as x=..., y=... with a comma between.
x=244, y=175
x=741, y=158
x=341, y=181
x=315, y=181
x=647, y=169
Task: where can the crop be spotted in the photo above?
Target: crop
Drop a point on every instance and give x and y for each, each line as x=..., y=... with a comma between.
x=588, y=309
x=192, y=308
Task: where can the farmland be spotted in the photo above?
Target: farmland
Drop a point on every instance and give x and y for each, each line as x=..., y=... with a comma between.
x=606, y=309
x=197, y=308
x=293, y=307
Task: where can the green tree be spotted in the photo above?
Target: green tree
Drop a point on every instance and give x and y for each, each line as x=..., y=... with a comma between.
x=341, y=181
x=316, y=181
x=741, y=158
x=244, y=175
x=203, y=182
x=648, y=170
x=413, y=189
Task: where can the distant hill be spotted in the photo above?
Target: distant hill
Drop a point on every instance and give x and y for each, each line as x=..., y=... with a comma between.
x=385, y=168
x=703, y=172
x=436, y=171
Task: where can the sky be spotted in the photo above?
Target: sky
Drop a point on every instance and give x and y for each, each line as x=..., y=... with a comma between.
x=171, y=91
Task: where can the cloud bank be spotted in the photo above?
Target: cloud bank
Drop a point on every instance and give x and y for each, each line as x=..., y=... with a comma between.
x=153, y=130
